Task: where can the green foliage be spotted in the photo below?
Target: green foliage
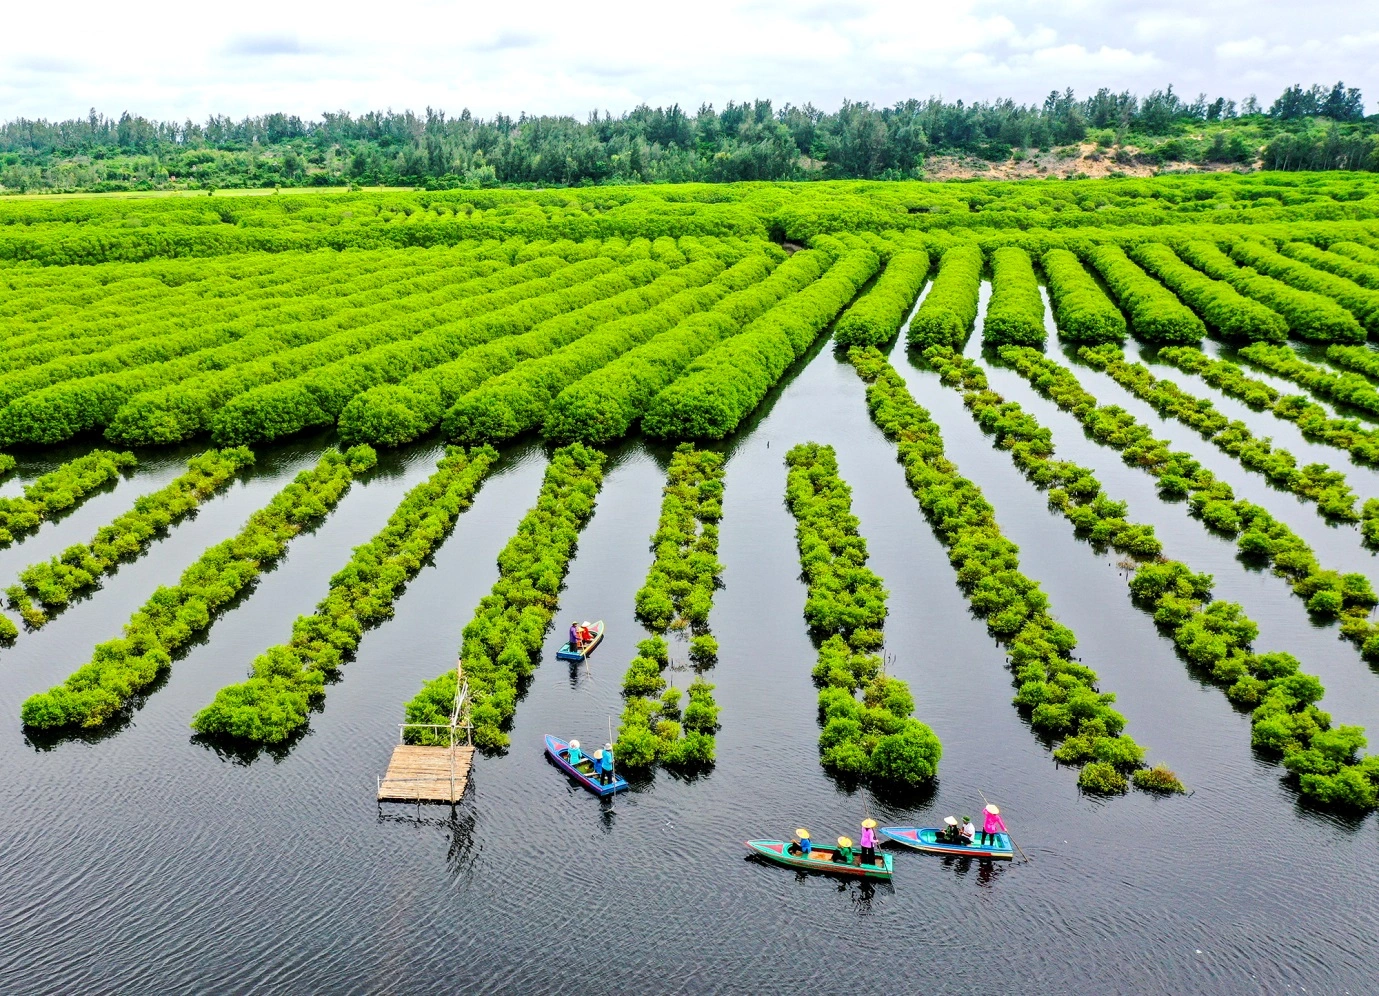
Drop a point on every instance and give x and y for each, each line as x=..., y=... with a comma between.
x=846, y=607
x=502, y=640
x=1361, y=302
x=720, y=388
x=876, y=316
x=1155, y=314
x=1220, y=305
x=1314, y=482
x=1081, y=308
x=1058, y=694
x=1309, y=315
x=948, y=311
x=59, y=490
x=1101, y=778
x=1015, y=313
x=120, y=669
x=52, y=584
x=287, y=680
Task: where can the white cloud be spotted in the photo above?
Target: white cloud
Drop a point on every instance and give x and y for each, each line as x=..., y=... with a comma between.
x=177, y=61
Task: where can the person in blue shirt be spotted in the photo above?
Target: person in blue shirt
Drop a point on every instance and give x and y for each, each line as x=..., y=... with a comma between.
x=576, y=755
x=802, y=845
x=598, y=765
x=606, y=771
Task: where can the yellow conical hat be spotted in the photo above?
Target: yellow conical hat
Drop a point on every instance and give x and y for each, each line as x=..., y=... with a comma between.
x=801, y=832
x=844, y=841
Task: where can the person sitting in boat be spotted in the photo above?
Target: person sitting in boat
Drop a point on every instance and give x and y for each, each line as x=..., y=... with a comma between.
x=868, y=841
x=969, y=831
x=801, y=844
x=575, y=754
x=586, y=635
x=949, y=833
x=992, y=825
x=598, y=766
x=574, y=636
x=843, y=853
x=606, y=774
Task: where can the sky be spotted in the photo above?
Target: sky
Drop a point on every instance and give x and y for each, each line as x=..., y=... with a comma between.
x=179, y=60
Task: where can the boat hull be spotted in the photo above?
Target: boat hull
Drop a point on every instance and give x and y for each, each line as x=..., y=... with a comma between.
x=820, y=859
x=926, y=839
x=559, y=751
x=568, y=653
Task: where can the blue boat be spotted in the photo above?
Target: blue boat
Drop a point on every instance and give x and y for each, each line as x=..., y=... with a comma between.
x=559, y=751
x=927, y=839
x=569, y=653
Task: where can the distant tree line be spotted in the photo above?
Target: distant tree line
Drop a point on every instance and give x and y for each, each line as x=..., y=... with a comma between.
x=1316, y=128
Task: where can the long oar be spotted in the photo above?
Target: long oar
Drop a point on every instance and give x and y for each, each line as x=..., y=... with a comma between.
x=1008, y=833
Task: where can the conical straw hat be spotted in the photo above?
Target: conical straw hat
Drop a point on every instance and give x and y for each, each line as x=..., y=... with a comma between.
x=801, y=832
x=952, y=821
x=844, y=841
x=992, y=810
x=869, y=823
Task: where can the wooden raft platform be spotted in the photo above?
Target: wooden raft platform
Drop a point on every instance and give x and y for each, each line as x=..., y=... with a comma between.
x=424, y=774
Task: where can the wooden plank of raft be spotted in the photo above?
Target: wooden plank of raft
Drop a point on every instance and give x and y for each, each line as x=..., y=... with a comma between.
x=422, y=774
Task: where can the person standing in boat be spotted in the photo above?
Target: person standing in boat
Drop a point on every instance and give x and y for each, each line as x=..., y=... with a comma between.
x=598, y=767
x=606, y=774
x=992, y=825
x=575, y=643
x=868, y=841
x=575, y=754
x=969, y=830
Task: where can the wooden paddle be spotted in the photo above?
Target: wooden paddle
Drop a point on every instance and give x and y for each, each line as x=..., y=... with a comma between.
x=1008, y=833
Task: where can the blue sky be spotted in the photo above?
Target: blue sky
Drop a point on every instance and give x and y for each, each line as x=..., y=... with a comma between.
x=179, y=60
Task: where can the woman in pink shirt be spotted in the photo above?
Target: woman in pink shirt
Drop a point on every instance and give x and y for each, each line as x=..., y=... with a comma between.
x=868, y=841
x=992, y=825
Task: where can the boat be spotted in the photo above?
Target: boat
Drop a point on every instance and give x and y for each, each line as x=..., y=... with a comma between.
x=569, y=653
x=820, y=859
x=927, y=839
x=559, y=751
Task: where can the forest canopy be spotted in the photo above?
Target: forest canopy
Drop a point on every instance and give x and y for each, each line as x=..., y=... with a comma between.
x=1317, y=128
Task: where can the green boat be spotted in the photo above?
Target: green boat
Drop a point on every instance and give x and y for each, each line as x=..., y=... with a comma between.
x=820, y=859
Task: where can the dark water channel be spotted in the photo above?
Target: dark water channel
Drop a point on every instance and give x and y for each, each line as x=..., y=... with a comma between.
x=147, y=862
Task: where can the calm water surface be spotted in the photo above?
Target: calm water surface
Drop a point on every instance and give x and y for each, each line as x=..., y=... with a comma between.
x=144, y=861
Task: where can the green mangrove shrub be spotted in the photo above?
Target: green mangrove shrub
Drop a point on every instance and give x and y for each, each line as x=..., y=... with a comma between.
x=604, y=405
x=949, y=310
x=1361, y=302
x=877, y=738
x=1060, y=696
x=53, y=583
x=877, y=315
x=66, y=487
x=286, y=681
x=503, y=639
x=120, y=669
x=1081, y=308
x=1221, y=306
x=1309, y=315
x=722, y=387
x=1259, y=536
x=405, y=410
x=678, y=594
x=1315, y=482
x=1015, y=313
x=1347, y=388
x=1156, y=315
x=1311, y=418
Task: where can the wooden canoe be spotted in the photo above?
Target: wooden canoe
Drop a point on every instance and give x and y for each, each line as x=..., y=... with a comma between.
x=820, y=859
x=559, y=751
x=927, y=839
x=569, y=653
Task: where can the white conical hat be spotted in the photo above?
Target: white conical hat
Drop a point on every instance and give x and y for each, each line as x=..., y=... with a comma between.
x=574, y=743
